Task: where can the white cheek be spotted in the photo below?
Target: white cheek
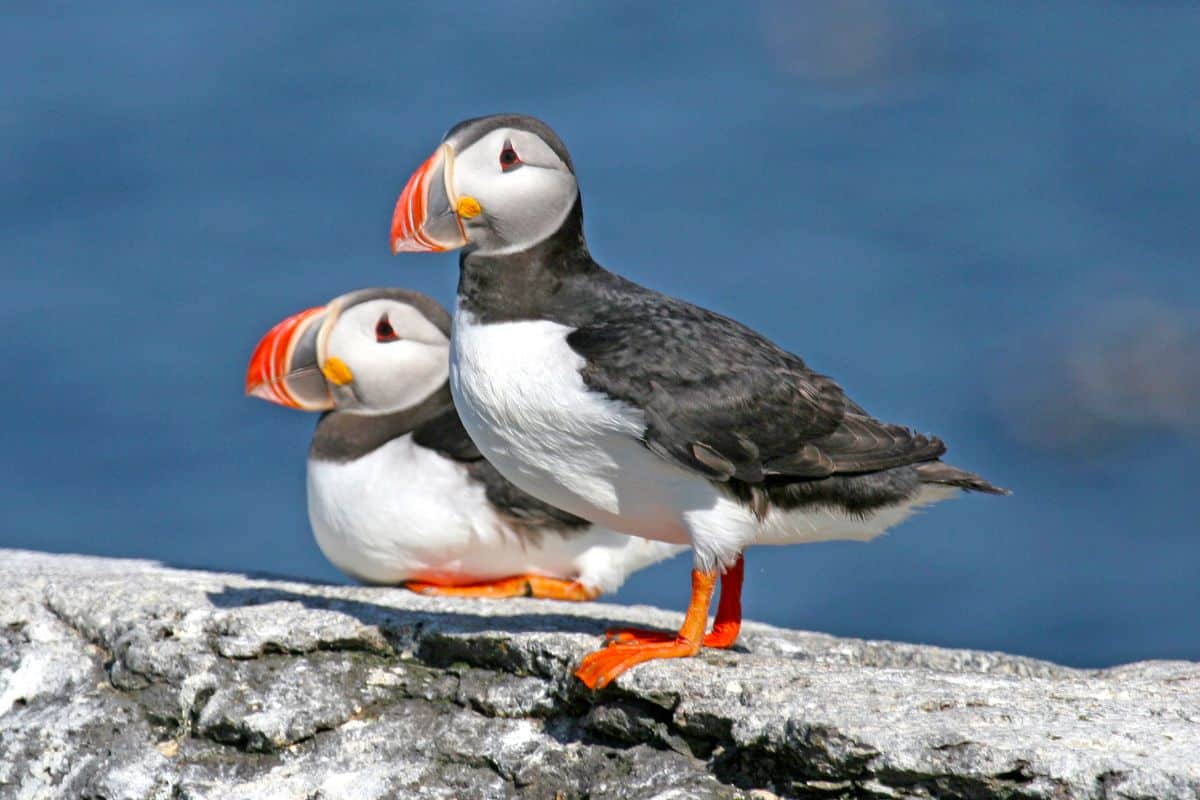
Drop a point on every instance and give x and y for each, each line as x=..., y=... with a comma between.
x=523, y=207
x=532, y=205
x=401, y=375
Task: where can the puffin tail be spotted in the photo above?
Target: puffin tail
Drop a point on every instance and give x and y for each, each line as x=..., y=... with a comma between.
x=939, y=472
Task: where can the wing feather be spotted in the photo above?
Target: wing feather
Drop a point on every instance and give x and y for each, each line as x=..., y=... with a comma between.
x=722, y=401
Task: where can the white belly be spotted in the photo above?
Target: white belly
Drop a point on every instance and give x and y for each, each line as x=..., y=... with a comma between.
x=404, y=512
x=517, y=387
x=519, y=391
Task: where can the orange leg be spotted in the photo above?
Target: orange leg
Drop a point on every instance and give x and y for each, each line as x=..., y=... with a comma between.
x=600, y=668
x=514, y=586
x=725, y=627
x=728, y=623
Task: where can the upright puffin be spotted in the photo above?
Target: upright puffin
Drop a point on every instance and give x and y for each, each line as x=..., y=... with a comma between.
x=396, y=490
x=635, y=410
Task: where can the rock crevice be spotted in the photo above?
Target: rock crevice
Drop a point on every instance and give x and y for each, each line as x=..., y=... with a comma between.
x=126, y=679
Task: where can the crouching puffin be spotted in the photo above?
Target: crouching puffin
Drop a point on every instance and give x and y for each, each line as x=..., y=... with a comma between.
x=635, y=410
x=396, y=490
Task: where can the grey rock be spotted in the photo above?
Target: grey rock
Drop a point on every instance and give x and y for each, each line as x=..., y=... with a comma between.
x=126, y=679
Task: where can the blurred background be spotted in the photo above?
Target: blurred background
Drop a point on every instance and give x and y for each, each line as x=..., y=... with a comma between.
x=980, y=218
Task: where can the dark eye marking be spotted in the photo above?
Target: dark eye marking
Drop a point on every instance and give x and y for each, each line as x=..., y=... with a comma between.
x=509, y=158
x=384, y=332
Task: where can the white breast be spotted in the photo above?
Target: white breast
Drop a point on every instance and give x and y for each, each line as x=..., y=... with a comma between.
x=406, y=512
x=519, y=392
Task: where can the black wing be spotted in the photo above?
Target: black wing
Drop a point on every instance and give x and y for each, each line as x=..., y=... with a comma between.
x=723, y=401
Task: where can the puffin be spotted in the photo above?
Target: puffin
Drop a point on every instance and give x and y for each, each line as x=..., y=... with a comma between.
x=635, y=410
x=397, y=491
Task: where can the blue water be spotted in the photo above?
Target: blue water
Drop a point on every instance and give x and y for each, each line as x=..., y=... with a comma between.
x=980, y=218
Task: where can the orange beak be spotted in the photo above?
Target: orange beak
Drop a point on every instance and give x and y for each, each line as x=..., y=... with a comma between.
x=285, y=367
x=426, y=219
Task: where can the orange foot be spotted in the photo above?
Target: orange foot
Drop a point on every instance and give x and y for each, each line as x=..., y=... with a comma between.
x=514, y=586
x=726, y=626
x=613, y=637
x=602, y=667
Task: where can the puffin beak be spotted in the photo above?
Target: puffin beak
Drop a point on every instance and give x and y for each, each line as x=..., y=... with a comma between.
x=428, y=216
x=285, y=367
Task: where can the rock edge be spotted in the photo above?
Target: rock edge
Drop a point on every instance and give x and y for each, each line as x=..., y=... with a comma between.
x=127, y=679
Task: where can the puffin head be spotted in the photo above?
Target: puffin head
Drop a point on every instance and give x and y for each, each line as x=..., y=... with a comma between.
x=495, y=185
x=373, y=351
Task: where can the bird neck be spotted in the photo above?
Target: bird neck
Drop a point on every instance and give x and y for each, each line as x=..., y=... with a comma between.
x=344, y=436
x=521, y=285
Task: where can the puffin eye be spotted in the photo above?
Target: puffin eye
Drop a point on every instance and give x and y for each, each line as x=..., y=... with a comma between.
x=384, y=331
x=509, y=158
